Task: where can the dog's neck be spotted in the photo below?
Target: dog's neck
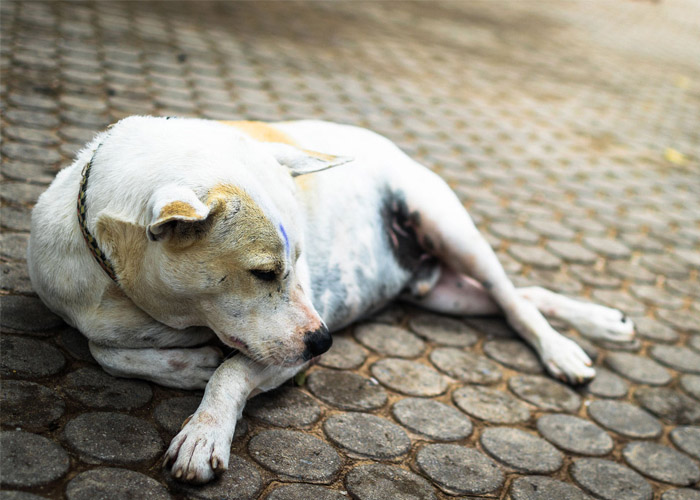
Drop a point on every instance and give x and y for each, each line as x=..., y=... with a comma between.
x=94, y=248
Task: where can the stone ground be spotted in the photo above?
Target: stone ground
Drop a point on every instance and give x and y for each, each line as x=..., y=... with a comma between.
x=569, y=130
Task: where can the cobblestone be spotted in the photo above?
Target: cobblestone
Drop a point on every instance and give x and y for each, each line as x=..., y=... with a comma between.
x=241, y=481
x=295, y=456
x=654, y=330
x=96, y=389
x=458, y=470
x=545, y=393
x=113, y=438
x=384, y=482
x=491, y=405
x=466, y=366
x=389, y=340
x=608, y=385
x=347, y=391
x=30, y=460
x=661, y=463
x=29, y=405
x=345, y=354
x=669, y=405
x=521, y=450
x=367, y=435
x=679, y=358
x=514, y=354
x=638, y=369
x=432, y=419
x=284, y=407
x=625, y=419
x=443, y=331
x=609, y=480
x=544, y=488
x=116, y=484
x=27, y=314
x=575, y=434
x=681, y=494
x=691, y=385
x=22, y=357
x=409, y=377
x=302, y=491
x=687, y=438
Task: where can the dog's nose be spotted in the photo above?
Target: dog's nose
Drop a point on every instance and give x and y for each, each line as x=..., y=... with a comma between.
x=317, y=342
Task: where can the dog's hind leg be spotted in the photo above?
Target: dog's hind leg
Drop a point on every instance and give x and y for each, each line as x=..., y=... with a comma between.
x=179, y=368
x=444, y=227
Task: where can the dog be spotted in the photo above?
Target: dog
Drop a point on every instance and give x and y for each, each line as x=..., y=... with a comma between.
x=167, y=234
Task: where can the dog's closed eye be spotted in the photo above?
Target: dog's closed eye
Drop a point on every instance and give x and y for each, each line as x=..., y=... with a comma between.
x=264, y=275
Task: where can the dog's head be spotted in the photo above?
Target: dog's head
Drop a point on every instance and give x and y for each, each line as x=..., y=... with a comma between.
x=219, y=244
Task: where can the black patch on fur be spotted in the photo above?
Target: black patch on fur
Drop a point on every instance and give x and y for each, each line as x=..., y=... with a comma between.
x=401, y=229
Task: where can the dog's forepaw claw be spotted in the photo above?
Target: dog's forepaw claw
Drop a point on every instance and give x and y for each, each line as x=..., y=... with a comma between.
x=566, y=361
x=199, y=452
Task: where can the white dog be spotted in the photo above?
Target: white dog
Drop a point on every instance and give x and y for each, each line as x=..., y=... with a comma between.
x=166, y=232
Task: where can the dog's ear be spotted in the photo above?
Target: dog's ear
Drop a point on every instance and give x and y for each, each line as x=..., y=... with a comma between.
x=303, y=161
x=172, y=206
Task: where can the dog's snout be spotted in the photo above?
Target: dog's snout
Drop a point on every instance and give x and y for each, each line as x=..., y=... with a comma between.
x=318, y=342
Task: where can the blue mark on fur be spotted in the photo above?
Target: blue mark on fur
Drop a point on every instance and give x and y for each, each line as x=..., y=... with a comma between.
x=286, y=240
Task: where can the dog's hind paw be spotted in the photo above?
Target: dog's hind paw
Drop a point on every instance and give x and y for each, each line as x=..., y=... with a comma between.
x=565, y=360
x=200, y=451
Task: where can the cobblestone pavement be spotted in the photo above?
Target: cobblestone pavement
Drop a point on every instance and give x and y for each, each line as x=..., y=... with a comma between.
x=569, y=130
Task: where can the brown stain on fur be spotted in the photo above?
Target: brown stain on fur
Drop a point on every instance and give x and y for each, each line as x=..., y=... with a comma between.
x=176, y=210
x=260, y=131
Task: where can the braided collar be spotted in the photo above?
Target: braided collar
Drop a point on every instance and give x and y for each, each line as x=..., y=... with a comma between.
x=99, y=256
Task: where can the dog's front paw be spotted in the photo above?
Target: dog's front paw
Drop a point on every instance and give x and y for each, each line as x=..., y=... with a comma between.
x=200, y=450
x=565, y=360
x=604, y=323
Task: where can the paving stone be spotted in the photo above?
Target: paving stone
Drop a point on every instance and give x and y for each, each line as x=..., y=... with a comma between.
x=571, y=252
x=665, y=265
x=619, y=300
x=76, y=344
x=656, y=296
x=466, y=366
x=612, y=249
x=30, y=460
x=680, y=358
x=683, y=320
x=13, y=246
x=661, y=462
x=295, y=456
x=15, y=219
x=27, y=314
x=607, y=385
x=594, y=277
x=113, y=438
x=691, y=385
x=284, y=407
x=521, y=450
x=241, y=481
x=96, y=389
x=683, y=287
x=545, y=393
x=687, y=438
x=29, y=405
x=694, y=342
x=609, y=480
x=654, y=330
x=344, y=354
x=19, y=495
x=114, y=484
x=367, y=435
x=513, y=354
x=575, y=434
x=409, y=377
x=534, y=256
x=30, y=358
x=638, y=368
x=458, y=470
x=442, y=330
x=544, y=488
x=171, y=413
x=347, y=391
x=14, y=277
x=391, y=315
x=385, y=482
x=641, y=242
x=389, y=340
x=631, y=271
x=625, y=419
x=669, y=405
x=432, y=419
x=491, y=405
x=681, y=494
x=551, y=229
x=302, y=491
